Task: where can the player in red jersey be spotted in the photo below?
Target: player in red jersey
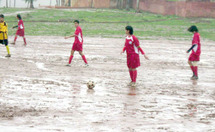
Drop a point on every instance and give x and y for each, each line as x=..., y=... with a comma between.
x=20, y=31
x=78, y=43
x=132, y=48
x=196, y=52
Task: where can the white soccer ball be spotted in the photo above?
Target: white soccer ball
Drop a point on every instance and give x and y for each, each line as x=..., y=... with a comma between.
x=91, y=84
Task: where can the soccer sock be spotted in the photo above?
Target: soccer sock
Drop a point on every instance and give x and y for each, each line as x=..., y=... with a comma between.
x=84, y=58
x=131, y=75
x=8, y=50
x=134, y=76
x=196, y=70
x=70, y=59
x=15, y=39
x=192, y=68
x=24, y=40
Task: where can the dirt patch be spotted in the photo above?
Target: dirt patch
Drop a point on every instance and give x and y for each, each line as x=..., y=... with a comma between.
x=38, y=93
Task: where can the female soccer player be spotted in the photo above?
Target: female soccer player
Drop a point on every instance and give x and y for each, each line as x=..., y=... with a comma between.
x=196, y=52
x=132, y=48
x=78, y=43
x=20, y=31
x=4, y=34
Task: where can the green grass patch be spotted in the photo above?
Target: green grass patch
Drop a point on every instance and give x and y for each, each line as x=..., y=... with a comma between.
x=107, y=23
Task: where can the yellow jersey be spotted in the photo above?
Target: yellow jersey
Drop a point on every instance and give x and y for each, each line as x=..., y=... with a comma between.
x=3, y=31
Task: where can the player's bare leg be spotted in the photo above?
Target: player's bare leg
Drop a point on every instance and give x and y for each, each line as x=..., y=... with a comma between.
x=70, y=58
x=14, y=42
x=84, y=58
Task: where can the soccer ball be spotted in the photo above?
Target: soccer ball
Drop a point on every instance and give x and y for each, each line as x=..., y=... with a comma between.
x=91, y=84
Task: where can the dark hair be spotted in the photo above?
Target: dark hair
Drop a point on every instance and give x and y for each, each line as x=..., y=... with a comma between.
x=1, y=15
x=76, y=21
x=193, y=29
x=130, y=29
x=19, y=16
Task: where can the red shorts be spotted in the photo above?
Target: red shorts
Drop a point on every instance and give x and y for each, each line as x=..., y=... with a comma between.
x=133, y=60
x=194, y=57
x=77, y=47
x=20, y=33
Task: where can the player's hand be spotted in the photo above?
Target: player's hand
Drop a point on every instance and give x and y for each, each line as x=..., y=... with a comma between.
x=146, y=57
x=66, y=37
x=187, y=51
x=121, y=52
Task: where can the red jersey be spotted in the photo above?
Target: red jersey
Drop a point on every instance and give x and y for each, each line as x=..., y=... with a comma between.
x=79, y=36
x=20, y=25
x=196, y=41
x=131, y=45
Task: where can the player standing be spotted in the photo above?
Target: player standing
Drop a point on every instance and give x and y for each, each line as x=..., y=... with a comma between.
x=196, y=52
x=20, y=31
x=4, y=34
x=132, y=48
x=78, y=43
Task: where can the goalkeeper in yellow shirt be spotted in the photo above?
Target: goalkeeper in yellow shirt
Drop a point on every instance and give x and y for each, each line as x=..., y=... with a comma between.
x=4, y=34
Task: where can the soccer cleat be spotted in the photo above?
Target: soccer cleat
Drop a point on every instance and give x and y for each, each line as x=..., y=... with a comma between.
x=86, y=65
x=69, y=65
x=8, y=55
x=194, y=78
x=133, y=84
x=130, y=84
x=13, y=43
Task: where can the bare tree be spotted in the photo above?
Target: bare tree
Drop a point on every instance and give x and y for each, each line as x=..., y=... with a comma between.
x=6, y=3
x=31, y=2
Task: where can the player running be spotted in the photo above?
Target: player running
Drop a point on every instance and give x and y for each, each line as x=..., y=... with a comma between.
x=132, y=48
x=196, y=52
x=78, y=43
x=4, y=34
x=20, y=31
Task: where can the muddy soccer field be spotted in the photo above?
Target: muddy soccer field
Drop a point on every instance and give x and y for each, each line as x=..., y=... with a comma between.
x=39, y=93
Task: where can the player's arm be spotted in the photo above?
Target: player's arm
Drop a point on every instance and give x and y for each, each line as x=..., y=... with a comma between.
x=193, y=46
x=75, y=34
x=15, y=26
x=123, y=50
x=71, y=36
x=137, y=43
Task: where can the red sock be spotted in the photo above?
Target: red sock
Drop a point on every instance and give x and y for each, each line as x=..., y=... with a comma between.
x=192, y=68
x=134, y=76
x=131, y=75
x=70, y=59
x=195, y=70
x=24, y=40
x=84, y=58
x=15, y=39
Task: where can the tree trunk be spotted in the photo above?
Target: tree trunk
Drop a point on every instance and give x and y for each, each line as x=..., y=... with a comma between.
x=32, y=4
x=6, y=3
x=14, y=4
x=128, y=5
x=138, y=5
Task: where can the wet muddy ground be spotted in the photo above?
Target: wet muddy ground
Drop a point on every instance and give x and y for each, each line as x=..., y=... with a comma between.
x=39, y=93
